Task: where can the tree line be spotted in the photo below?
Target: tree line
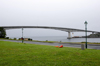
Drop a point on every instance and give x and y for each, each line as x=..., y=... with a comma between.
x=2, y=32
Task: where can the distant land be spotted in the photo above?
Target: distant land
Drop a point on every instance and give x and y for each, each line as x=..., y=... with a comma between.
x=97, y=35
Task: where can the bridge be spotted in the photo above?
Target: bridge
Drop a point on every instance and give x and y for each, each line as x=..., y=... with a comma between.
x=69, y=30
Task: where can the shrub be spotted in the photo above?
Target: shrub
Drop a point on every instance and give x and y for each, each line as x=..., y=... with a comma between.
x=14, y=38
x=84, y=42
x=31, y=39
x=19, y=39
x=7, y=38
x=46, y=40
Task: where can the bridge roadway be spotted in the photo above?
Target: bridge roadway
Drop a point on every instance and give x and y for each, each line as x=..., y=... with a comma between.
x=69, y=30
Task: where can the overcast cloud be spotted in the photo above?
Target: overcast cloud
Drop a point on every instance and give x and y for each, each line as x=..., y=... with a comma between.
x=56, y=13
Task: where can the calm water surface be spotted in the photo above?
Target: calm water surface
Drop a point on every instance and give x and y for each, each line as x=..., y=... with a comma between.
x=63, y=39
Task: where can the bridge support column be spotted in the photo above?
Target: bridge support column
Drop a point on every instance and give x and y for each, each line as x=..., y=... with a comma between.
x=69, y=35
x=92, y=32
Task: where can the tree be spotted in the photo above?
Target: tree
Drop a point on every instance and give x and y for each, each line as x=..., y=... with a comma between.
x=2, y=32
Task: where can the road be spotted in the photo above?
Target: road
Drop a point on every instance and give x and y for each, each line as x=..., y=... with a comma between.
x=90, y=46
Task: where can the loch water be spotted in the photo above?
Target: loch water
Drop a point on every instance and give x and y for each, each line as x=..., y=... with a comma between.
x=62, y=38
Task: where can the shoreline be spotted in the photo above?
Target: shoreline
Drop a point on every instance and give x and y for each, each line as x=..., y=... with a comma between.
x=96, y=43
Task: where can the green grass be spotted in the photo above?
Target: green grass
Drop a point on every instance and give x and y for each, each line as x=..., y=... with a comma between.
x=18, y=54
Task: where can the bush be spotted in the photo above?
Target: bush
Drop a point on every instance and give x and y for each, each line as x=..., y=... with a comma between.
x=2, y=32
x=7, y=38
x=19, y=39
x=29, y=39
x=84, y=42
x=14, y=38
x=46, y=40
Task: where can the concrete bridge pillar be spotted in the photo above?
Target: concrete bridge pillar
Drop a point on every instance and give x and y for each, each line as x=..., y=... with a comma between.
x=92, y=32
x=69, y=35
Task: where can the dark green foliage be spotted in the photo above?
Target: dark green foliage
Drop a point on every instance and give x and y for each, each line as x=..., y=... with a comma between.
x=97, y=35
x=84, y=42
x=7, y=38
x=14, y=38
x=29, y=39
x=19, y=39
x=46, y=40
x=2, y=32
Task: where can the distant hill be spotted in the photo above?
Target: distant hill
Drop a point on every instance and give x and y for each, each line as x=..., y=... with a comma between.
x=97, y=35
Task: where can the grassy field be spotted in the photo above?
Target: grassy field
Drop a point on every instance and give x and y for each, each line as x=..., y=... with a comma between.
x=18, y=54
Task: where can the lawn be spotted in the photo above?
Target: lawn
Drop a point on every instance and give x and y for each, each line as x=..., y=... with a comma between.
x=20, y=54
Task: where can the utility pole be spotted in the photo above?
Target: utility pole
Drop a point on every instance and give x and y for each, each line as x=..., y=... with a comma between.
x=22, y=35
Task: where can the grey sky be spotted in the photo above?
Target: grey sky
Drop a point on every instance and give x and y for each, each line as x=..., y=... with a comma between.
x=57, y=13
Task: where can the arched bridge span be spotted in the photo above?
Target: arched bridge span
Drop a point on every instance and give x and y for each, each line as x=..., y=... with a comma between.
x=48, y=27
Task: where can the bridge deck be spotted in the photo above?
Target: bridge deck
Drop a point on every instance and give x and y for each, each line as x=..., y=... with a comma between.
x=47, y=27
